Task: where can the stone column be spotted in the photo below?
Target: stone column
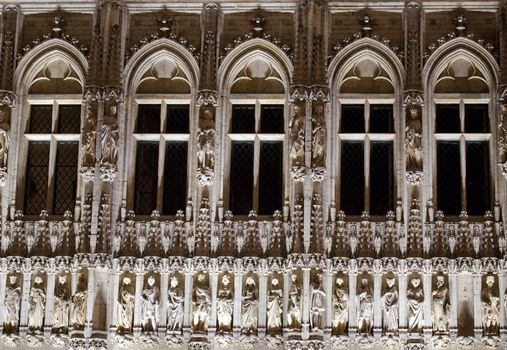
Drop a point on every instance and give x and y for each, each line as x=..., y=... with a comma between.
x=263, y=282
x=352, y=299
x=453, y=299
x=377, y=295
x=164, y=286
x=213, y=287
x=238, y=292
x=403, y=312
x=137, y=325
x=27, y=284
x=477, y=301
x=187, y=316
x=427, y=282
x=286, y=290
x=328, y=288
x=50, y=292
x=3, y=282
x=305, y=317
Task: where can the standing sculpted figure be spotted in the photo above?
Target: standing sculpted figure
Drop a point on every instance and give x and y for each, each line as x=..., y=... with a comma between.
x=413, y=146
x=249, y=307
x=502, y=135
x=364, y=307
x=297, y=136
x=175, y=306
x=125, y=307
x=274, y=307
x=89, y=138
x=37, y=305
x=109, y=138
x=318, y=303
x=294, y=307
x=415, y=305
x=340, y=308
x=78, y=307
x=390, y=306
x=149, y=306
x=440, y=307
x=318, y=136
x=490, y=307
x=61, y=305
x=4, y=137
x=206, y=142
x=201, y=301
x=225, y=306
x=12, y=305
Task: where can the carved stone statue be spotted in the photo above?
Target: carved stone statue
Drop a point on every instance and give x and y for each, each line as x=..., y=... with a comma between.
x=490, y=307
x=274, y=308
x=364, y=307
x=201, y=301
x=61, y=305
x=415, y=305
x=109, y=138
x=88, y=141
x=340, y=308
x=318, y=304
x=440, y=307
x=294, y=307
x=12, y=305
x=318, y=136
x=37, y=306
x=225, y=306
x=297, y=137
x=206, y=146
x=126, y=299
x=249, y=308
x=389, y=304
x=149, y=306
x=175, y=306
x=4, y=137
x=413, y=145
x=502, y=136
x=78, y=306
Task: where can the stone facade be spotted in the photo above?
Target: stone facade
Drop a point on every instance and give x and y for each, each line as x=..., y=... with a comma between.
x=306, y=277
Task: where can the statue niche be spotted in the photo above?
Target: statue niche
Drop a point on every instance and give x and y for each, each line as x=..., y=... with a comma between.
x=249, y=307
x=225, y=305
x=206, y=146
x=201, y=305
x=125, y=311
x=440, y=307
x=274, y=307
x=340, y=308
x=37, y=306
x=490, y=301
x=294, y=307
x=61, y=305
x=415, y=305
x=150, y=300
x=389, y=304
x=12, y=305
x=175, y=300
x=78, y=304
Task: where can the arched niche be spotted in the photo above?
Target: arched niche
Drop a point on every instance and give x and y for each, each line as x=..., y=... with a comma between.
x=53, y=67
x=256, y=66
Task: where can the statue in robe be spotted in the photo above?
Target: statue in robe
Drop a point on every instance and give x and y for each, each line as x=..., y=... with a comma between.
x=88, y=140
x=297, y=136
x=490, y=307
x=389, y=304
x=12, y=305
x=109, y=138
x=78, y=304
x=318, y=304
x=36, y=306
x=206, y=145
x=249, y=308
x=294, y=307
x=201, y=301
x=225, y=305
x=4, y=137
x=364, y=307
x=318, y=136
x=61, y=305
x=415, y=306
x=340, y=308
x=125, y=313
x=274, y=308
x=175, y=306
x=413, y=145
x=440, y=307
x=150, y=300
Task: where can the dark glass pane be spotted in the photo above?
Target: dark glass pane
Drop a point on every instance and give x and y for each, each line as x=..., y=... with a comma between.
x=69, y=119
x=40, y=119
x=381, y=119
x=243, y=119
x=352, y=177
x=476, y=118
x=177, y=119
x=270, y=177
x=146, y=177
x=37, y=177
x=65, y=176
x=352, y=119
x=381, y=178
x=478, y=177
x=447, y=119
x=241, y=178
x=148, y=119
x=272, y=119
x=175, y=177
x=448, y=177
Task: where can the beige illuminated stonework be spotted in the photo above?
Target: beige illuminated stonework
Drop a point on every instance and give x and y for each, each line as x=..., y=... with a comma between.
x=304, y=174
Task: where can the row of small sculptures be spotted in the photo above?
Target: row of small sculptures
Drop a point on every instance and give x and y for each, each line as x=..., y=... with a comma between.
x=364, y=303
x=70, y=310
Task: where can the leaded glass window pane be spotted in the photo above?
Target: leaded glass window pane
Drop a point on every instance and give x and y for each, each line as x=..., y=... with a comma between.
x=243, y=119
x=177, y=119
x=148, y=119
x=36, y=190
x=41, y=117
x=272, y=119
x=146, y=177
x=241, y=177
x=65, y=176
x=476, y=118
x=69, y=119
x=270, y=177
x=449, y=177
x=352, y=119
x=478, y=177
x=352, y=177
x=448, y=120
x=381, y=119
x=175, y=177
x=381, y=177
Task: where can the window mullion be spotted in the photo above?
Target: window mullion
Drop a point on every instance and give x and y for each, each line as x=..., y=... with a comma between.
x=53, y=150
x=256, y=160
x=463, y=172
x=160, y=178
x=367, y=173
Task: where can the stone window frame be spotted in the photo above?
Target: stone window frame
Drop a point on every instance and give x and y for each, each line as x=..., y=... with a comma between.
x=53, y=138
x=257, y=138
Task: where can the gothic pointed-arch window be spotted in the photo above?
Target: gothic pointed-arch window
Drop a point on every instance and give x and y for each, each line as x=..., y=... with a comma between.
x=161, y=139
x=52, y=136
x=366, y=139
x=462, y=139
x=256, y=140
